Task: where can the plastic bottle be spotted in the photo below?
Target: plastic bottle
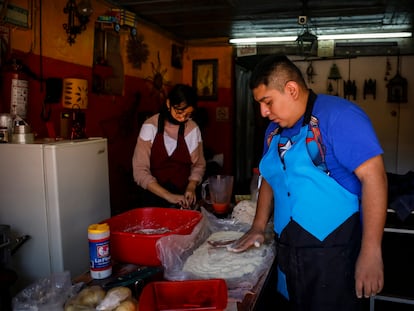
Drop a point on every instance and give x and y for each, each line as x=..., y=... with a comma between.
x=255, y=184
x=99, y=251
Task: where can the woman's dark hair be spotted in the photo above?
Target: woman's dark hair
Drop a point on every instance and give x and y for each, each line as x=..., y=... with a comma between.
x=183, y=93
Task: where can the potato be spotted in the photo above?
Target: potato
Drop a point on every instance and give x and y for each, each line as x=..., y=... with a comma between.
x=75, y=307
x=128, y=305
x=91, y=296
x=120, y=292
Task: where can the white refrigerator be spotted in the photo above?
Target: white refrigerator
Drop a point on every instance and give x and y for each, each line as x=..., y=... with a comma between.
x=52, y=192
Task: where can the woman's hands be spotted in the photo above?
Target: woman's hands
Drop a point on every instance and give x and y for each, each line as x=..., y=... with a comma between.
x=185, y=200
x=177, y=199
x=190, y=196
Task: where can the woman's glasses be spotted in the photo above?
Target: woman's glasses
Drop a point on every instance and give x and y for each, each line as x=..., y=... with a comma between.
x=185, y=113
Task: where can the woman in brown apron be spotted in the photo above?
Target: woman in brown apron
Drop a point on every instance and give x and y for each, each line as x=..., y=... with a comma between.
x=168, y=161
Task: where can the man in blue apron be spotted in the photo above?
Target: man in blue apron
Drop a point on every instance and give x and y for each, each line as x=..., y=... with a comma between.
x=325, y=183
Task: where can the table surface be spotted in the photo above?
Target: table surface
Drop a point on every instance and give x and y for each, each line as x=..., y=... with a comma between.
x=251, y=299
x=248, y=304
x=119, y=270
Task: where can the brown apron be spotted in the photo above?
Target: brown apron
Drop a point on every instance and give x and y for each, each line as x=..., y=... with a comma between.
x=172, y=171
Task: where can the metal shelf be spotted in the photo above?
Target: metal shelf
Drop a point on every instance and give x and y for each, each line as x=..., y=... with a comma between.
x=390, y=298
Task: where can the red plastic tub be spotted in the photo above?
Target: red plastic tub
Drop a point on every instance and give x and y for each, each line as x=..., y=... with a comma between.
x=184, y=295
x=135, y=232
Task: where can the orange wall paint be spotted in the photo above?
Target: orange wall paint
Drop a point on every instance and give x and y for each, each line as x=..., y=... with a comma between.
x=54, y=44
x=222, y=54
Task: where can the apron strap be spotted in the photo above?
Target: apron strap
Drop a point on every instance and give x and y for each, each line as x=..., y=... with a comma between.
x=181, y=129
x=309, y=107
x=161, y=122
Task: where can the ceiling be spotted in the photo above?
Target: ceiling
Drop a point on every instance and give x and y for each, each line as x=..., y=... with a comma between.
x=194, y=20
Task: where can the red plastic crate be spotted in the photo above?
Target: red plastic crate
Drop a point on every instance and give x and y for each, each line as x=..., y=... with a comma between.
x=184, y=295
x=128, y=245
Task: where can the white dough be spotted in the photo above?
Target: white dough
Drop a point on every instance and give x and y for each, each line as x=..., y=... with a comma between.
x=244, y=211
x=216, y=262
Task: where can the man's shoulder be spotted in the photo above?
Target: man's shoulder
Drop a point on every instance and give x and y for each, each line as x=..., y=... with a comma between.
x=329, y=106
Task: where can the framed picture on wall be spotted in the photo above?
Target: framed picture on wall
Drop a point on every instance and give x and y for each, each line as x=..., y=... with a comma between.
x=19, y=16
x=205, y=78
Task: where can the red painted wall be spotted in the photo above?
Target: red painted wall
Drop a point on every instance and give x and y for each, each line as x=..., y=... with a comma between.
x=100, y=107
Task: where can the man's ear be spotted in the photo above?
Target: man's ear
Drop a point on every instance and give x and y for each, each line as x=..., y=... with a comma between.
x=167, y=102
x=292, y=88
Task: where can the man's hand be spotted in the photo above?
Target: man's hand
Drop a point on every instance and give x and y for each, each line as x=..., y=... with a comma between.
x=250, y=238
x=369, y=274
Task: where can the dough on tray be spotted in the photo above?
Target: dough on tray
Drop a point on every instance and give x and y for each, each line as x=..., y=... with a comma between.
x=244, y=211
x=208, y=261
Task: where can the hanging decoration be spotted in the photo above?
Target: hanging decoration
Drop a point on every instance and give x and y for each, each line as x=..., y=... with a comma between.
x=387, y=69
x=350, y=86
x=334, y=75
x=307, y=43
x=397, y=87
x=370, y=87
x=158, y=80
x=137, y=50
x=78, y=18
x=310, y=72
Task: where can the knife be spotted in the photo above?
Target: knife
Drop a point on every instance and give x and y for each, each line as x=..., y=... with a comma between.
x=135, y=277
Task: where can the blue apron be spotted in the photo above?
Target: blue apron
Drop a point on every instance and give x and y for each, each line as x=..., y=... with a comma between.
x=313, y=215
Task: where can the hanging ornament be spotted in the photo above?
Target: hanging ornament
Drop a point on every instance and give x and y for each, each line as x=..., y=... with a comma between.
x=137, y=50
x=310, y=72
x=350, y=86
x=397, y=87
x=330, y=88
x=336, y=76
x=158, y=80
x=387, y=69
x=370, y=87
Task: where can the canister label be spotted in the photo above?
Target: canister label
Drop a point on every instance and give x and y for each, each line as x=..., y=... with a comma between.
x=99, y=251
x=99, y=255
x=19, y=97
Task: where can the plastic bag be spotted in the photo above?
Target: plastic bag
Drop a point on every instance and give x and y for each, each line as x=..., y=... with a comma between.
x=174, y=250
x=46, y=294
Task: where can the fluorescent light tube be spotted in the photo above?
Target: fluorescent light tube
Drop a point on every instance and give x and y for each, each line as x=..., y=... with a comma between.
x=262, y=40
x=384, y=35
x=379, y=35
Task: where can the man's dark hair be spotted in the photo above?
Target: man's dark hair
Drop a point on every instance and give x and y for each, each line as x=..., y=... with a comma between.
x=275, y=71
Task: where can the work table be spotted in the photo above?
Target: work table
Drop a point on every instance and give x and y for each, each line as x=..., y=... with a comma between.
x=122, y=276
x=136, y=277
